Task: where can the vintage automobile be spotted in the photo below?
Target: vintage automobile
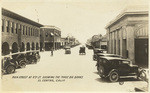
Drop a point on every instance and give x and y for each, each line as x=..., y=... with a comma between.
x=89, y=46
x=82, y=50
x=19, y=59
x=96, y=51
x=113, y=68
x=99, y=55
x=7, y=65
x=32, y=57
x=37, y=55
x=67, y=46
x=67, y=51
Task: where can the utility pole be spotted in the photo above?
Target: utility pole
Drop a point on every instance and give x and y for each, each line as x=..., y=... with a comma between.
x=37, y=16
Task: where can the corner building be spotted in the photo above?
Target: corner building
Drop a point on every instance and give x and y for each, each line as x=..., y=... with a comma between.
x=19, y=33
x=127, y=35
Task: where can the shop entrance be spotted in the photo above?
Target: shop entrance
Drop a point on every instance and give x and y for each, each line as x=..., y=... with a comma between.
x=141, y=52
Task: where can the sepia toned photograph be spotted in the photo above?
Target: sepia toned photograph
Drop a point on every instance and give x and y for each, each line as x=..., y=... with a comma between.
x=74, y=46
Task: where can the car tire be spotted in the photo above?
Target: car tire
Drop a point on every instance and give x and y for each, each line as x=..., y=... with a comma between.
x=93, y=59
x=142, y=76
x=100, y=71
x=114, y=76
x=22, y=64
x=97, y=68
x=10, y=69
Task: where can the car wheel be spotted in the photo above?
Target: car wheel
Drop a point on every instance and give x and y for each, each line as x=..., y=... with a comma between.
x=22, y=64
x=100, y=71
x=114, y=76
x=38, y=59
x=97, y=68
x=93, y=59
x=10, y=69
x=142, y=76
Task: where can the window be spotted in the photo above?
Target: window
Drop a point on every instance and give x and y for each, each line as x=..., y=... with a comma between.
x=2, y=25
x=23, y=30
x=12, y=27
x=20, y=29
x=33, y=31
x=16, y=28
x=26, y=30
x=29, y=31
x=46, y=34
x=7, y=26
x=37, y=32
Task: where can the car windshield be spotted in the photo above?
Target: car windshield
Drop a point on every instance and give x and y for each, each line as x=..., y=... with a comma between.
x=126, y=62
x=102, y=61
x=98, y=51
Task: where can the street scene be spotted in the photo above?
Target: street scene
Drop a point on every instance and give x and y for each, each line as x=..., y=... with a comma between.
x=71, y=46
x=62, y=64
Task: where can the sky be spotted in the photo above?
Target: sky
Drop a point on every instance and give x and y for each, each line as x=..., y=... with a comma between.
x=79, y=18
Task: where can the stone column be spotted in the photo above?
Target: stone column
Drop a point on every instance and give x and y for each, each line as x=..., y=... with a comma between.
x=130, y=42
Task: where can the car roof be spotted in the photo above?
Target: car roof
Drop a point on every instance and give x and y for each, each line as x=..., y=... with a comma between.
x=67, y=47
x=98, y=49
x=21, y=53
x=115, y=58
x=106, y=54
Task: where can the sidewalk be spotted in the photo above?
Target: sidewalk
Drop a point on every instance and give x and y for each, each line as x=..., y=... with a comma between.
x=142, y=86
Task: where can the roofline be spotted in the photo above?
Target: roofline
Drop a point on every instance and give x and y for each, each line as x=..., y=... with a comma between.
x=51, y=27
x=16, y=16
x=114, y=58
x=122, y=15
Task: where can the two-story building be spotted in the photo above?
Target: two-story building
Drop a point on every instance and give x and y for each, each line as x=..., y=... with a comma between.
x=50, y=38
x=19, y=33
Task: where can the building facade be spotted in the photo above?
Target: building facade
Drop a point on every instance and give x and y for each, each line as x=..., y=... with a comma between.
x=50, y=38
x=19, y=33
x=103, y=42
x=127, y=35
x=63, y=42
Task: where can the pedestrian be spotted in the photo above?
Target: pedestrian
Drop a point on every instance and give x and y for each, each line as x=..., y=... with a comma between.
x=52, y=51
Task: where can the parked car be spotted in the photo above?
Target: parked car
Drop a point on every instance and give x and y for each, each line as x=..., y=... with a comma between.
x=82, y=50
x=99, y=55
x=7, y=65
x=19, y=59
x=37, y=55
x=32, y=57
x=67, y=51
x=114, y=67
x=96, y=51
x=67, y=46
x=89, y=46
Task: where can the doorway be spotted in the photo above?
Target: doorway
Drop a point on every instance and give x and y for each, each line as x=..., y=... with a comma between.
x=141, y=52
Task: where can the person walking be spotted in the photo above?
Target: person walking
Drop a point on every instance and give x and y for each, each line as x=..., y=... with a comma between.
x=52, y=51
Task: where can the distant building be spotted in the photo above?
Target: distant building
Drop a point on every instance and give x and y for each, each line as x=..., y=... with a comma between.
x=103, y=42
x=19, y=33
x=63, y=42
x=50, y=38
x=96, y=41
x=127, y=35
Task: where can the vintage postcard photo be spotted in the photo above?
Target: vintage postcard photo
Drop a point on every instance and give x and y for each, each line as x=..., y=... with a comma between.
x=74, y=46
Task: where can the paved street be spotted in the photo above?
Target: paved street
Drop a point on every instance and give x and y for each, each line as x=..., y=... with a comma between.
x=61, y=64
